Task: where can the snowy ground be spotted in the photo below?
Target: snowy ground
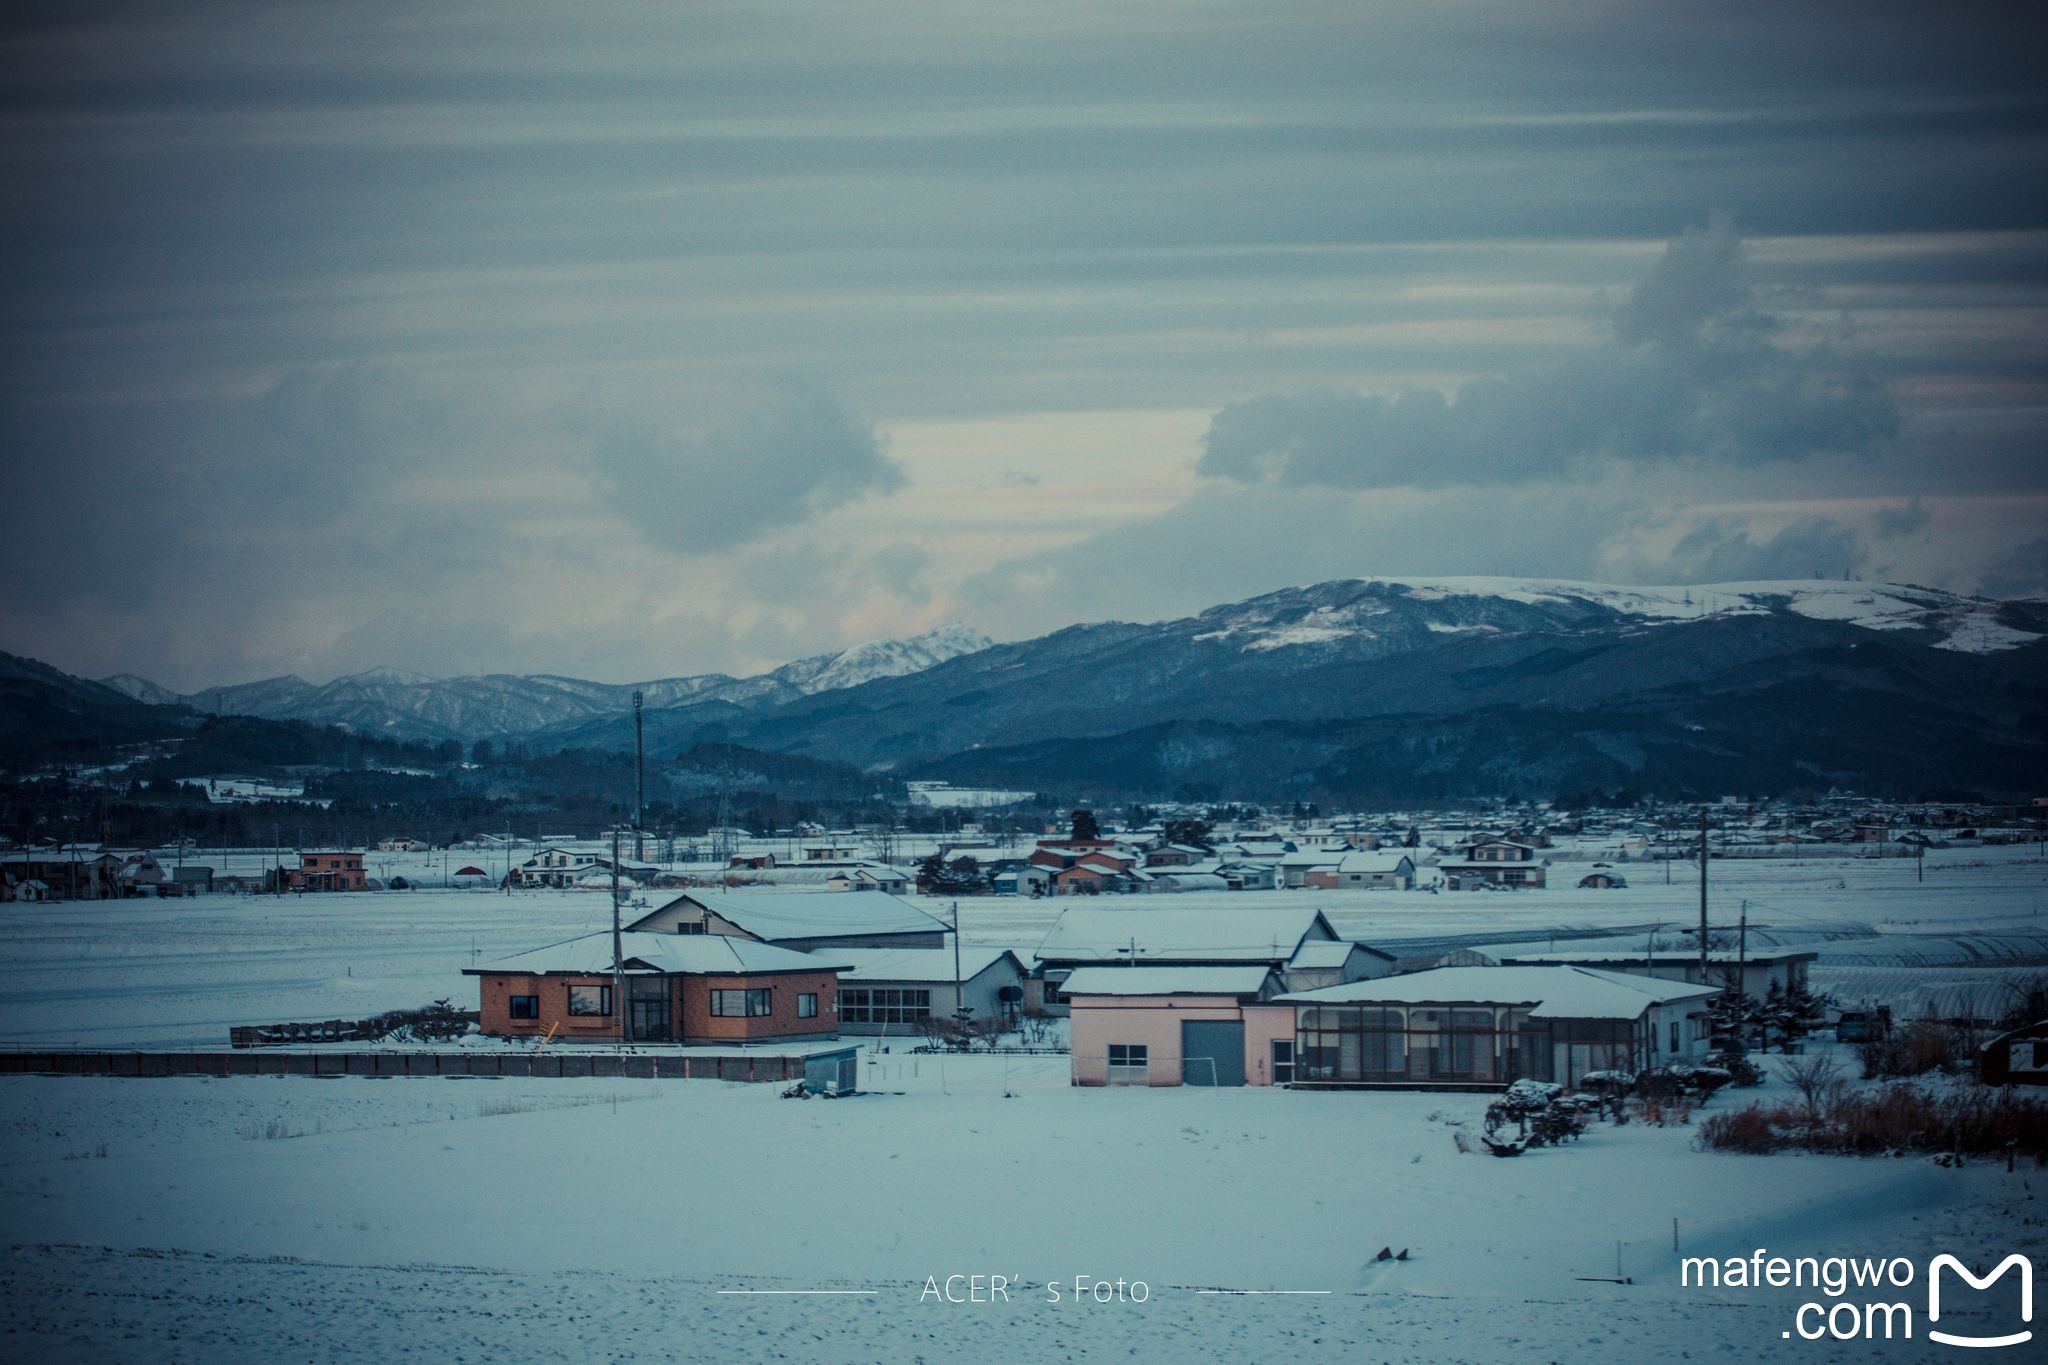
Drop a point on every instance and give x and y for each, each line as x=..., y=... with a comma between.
x=473, y=1219
x=354, y=1218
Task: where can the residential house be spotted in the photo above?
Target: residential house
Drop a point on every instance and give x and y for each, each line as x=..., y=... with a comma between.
x=871, y=877
x=1366, y=871
x=1153, y=937
x=1171, y=1025
x=555, y=867
x=1491, y=863
x=327, y=870
x=67, y=874
x=680, y=988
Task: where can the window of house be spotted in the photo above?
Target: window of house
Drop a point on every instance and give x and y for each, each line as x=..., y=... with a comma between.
x=590, y=1000
x=1129, y=1063
x=1053, y=994
x=1674, y=1035
x=525, y=1006
x=806, y=1005
x=1283, y=1061
x=748, y=1004
x=884, y=1005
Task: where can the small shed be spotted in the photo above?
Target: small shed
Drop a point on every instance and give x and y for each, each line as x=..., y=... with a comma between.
x=2016, y=1058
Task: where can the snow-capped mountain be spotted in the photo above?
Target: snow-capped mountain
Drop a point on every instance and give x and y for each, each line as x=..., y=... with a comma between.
x=882, y=659
x=405, y=705
x=141, y=689
x=1364, y=608
x=1460, y=685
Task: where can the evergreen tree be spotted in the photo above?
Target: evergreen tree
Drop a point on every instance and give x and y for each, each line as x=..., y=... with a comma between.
x=1084, y=826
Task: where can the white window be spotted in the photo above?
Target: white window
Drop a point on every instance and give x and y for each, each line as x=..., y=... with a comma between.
x=1129, y=1063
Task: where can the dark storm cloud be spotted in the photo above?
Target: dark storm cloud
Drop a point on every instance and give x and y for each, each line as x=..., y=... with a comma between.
x=794, y=454
x=1696, y=369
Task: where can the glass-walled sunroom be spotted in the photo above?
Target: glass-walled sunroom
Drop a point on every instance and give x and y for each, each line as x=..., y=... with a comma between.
x=1454, y=1044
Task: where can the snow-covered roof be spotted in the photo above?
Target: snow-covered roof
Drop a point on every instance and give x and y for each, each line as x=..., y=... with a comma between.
x=813, y=914
x=1329, y=953
x=1560, y=992
x=1231, y=981
x=691, y=954
x=1611, y=957
x=1313, y=857
x=1369, y=862
x=918, y=964
x=1170, y=935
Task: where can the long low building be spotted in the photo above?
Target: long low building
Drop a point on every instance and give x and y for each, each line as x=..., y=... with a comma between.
x=1451, y=1027
x=897, y=991
x=1761, y=968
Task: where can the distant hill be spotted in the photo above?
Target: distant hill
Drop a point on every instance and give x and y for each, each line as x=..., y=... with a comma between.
x=411, y=706
x=1389, y=689
x=1456, y=687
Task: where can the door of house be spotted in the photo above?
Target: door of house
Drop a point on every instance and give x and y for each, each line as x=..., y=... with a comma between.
x=647, y=1019
x=1212, y=1051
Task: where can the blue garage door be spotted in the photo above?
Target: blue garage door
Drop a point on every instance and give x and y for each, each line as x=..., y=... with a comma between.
x=1212, y=1051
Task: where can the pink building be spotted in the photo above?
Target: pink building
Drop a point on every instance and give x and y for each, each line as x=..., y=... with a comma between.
x=1178, y=1026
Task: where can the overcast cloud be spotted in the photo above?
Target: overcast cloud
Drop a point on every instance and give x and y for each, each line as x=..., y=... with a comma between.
x=654, y=339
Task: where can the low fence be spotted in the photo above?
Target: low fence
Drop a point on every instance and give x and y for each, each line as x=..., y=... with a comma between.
x=562, y=1064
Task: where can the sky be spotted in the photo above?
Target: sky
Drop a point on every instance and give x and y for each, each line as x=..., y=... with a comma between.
x=631, y=341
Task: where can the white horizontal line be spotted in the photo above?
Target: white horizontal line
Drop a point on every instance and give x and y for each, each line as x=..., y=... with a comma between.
x=1262, y=1291
x=799, y=1291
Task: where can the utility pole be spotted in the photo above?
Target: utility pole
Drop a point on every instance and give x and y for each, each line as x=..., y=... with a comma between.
x=1703, y=895
x=1742, y=975
x=618, y=944
x=960, y=1010
x=639, y=778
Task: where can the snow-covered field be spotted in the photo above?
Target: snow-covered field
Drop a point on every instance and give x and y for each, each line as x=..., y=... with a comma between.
x=459, y=1219
x=472, y=1219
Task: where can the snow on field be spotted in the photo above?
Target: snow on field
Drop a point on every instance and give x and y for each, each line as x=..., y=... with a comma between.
x=173, y=972
x=355, y=1218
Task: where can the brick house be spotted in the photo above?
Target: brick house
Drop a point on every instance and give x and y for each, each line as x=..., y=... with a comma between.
x=680, y=988
x=331, y=870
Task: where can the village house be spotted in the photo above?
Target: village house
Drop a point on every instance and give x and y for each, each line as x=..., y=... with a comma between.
x=804, y=921
x=1494, y=862
x=402, y=843
x=871, y=877
x=1091, y=937
x=66, y=874
x=1171, y=1025
x=1374, y=871
x=327, y=870
x=680, y=988
x=896, y=991
x=1461, y=1028
x=553, y=867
